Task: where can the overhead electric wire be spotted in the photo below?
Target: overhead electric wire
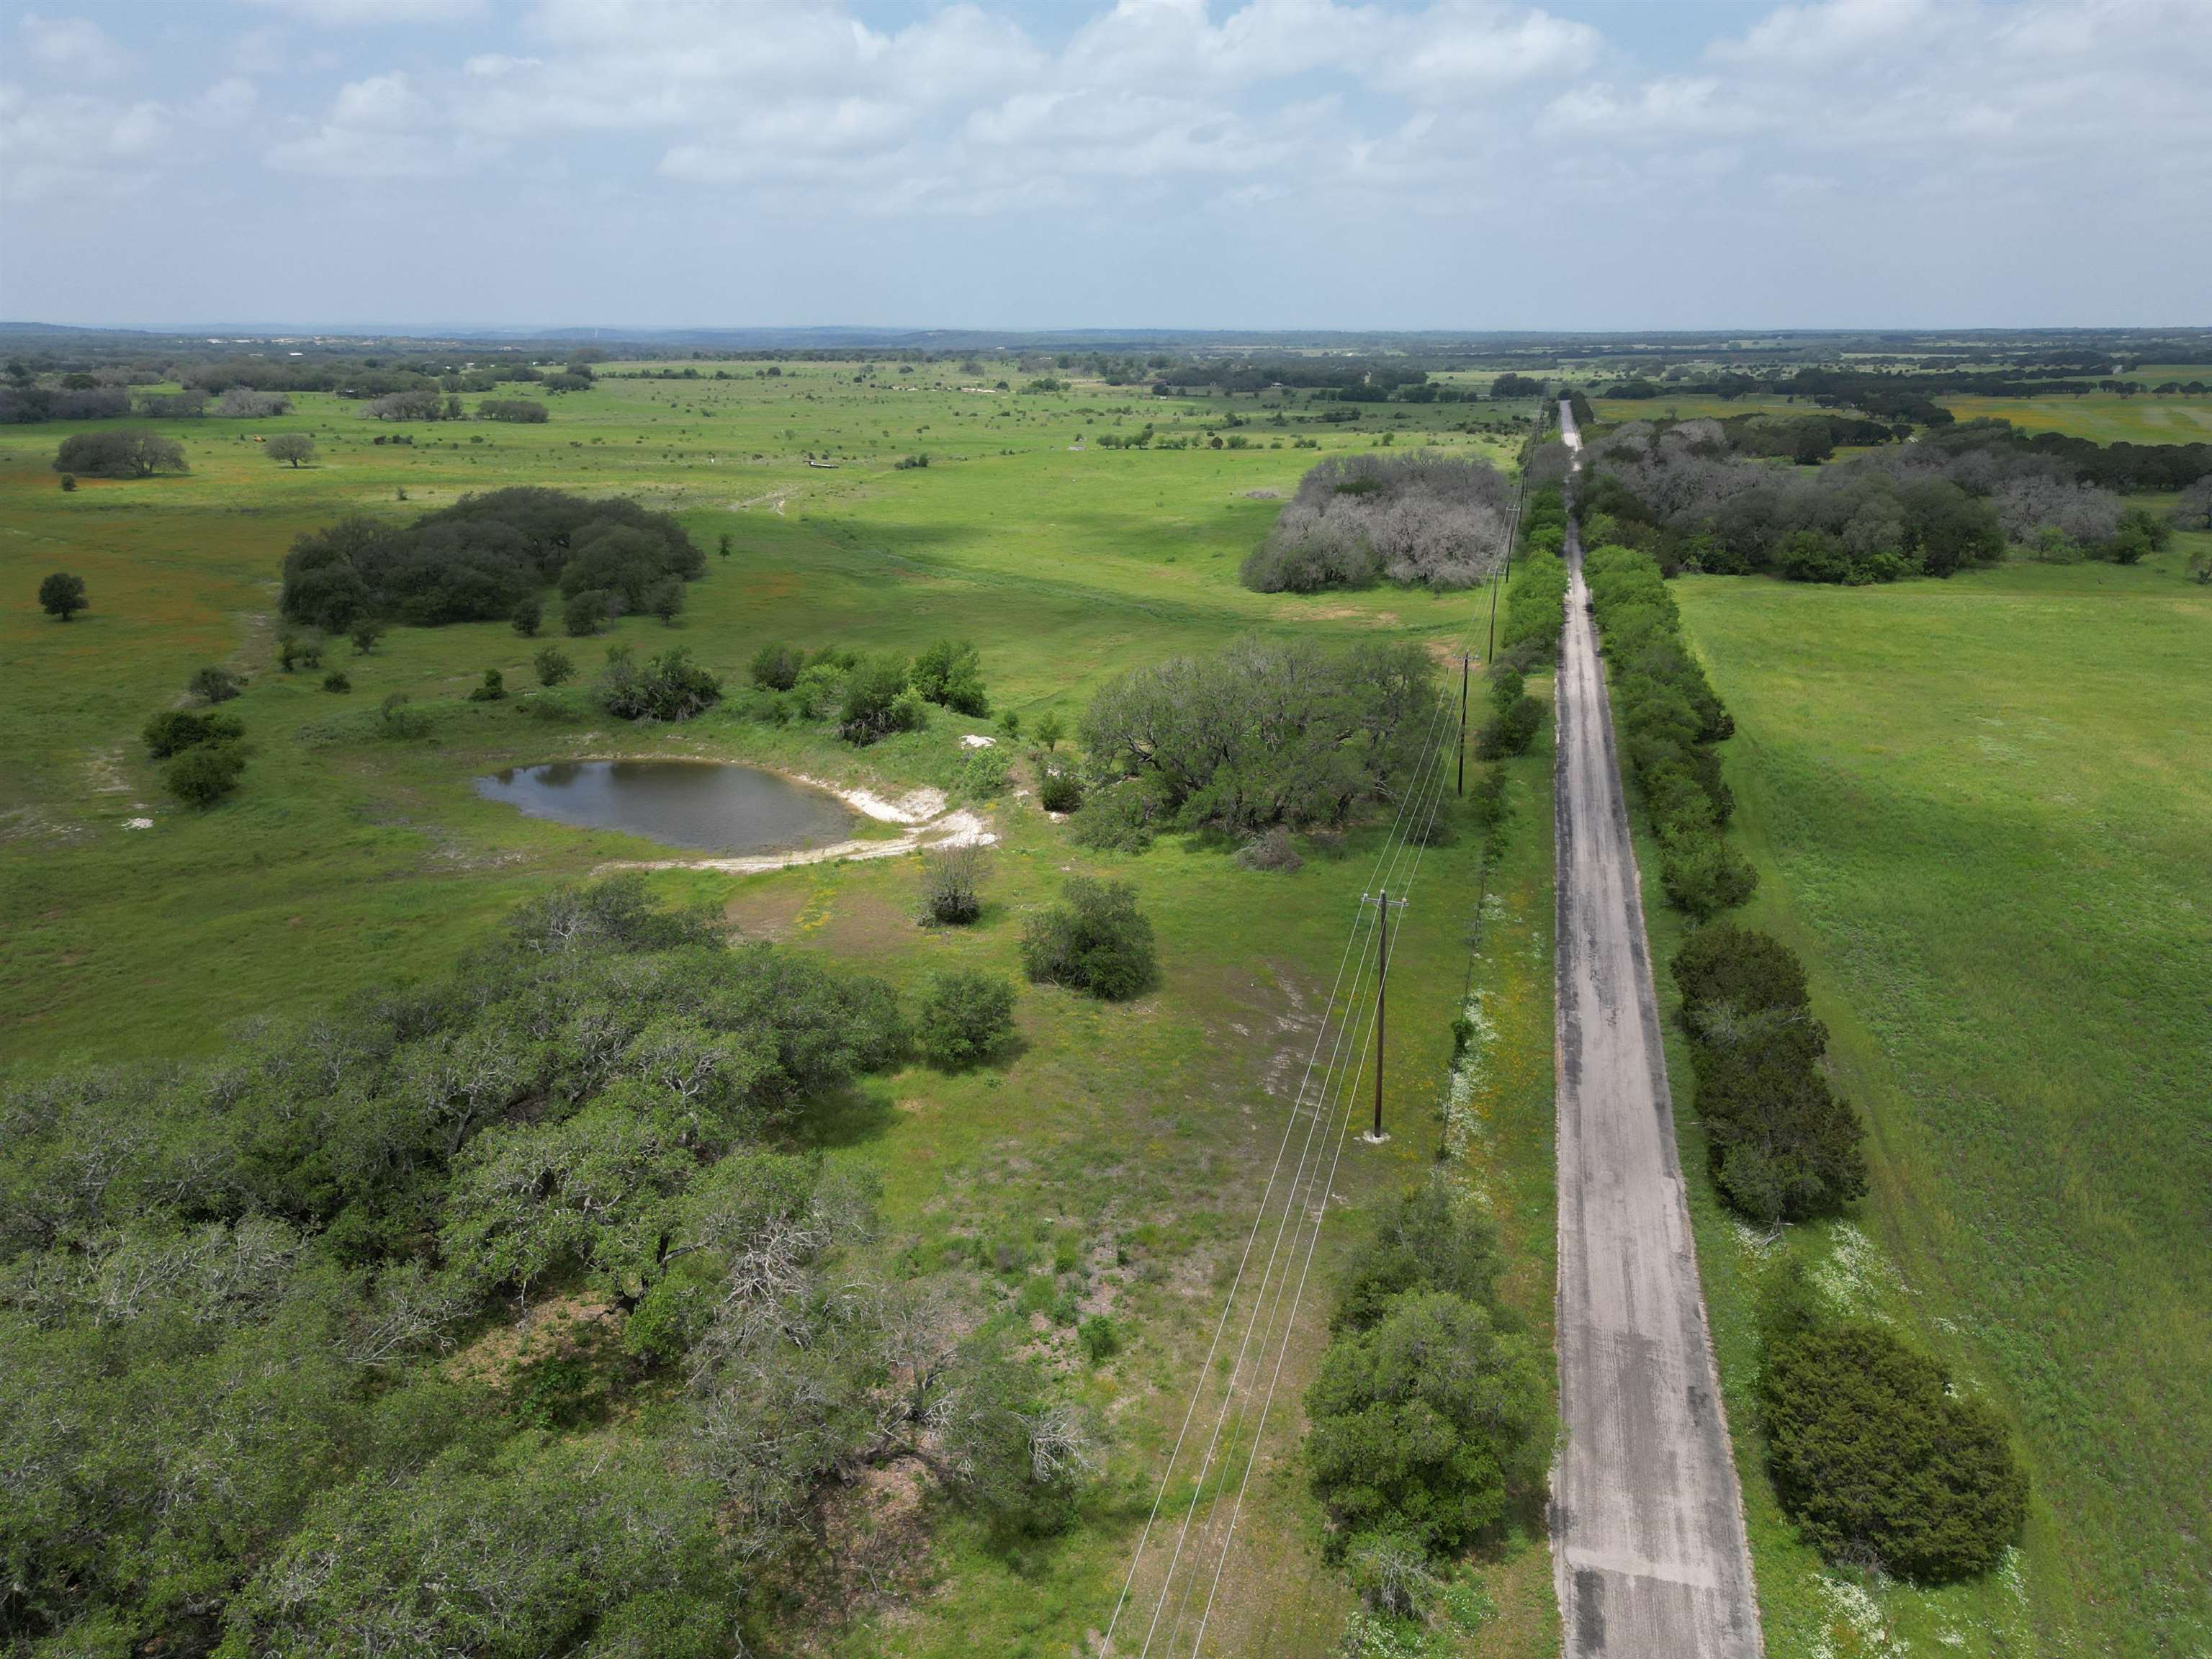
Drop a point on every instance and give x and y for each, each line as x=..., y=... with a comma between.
x=1266, y=1307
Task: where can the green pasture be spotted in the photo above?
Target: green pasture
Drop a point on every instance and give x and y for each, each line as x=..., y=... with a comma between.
x=347, y=859
x=1979, y=812
x=2105, y=417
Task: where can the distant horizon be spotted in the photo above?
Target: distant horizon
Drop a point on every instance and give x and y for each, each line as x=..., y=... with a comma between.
x=618, y=331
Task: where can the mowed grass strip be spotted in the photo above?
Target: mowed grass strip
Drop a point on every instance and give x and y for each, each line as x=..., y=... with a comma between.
x=1981, y=813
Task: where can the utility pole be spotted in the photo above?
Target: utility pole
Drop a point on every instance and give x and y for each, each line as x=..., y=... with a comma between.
x=1462, y=722
x=1383, y=900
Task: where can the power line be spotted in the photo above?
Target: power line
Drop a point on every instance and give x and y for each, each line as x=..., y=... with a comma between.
x=1337, y=1089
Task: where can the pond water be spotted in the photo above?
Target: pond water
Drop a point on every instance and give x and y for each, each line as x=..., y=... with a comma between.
x=706, y=805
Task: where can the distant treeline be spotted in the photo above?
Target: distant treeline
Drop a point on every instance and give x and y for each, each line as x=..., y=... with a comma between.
x=1696, y=493
x=1895, y=395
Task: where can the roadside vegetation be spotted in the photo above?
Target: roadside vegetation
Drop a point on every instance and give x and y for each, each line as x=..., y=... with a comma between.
x=1940, y=888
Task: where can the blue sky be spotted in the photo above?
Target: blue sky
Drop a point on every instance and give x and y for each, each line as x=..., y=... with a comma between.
x=1280, y=163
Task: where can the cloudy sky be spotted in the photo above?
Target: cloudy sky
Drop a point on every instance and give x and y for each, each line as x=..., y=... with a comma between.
x=1277, y=163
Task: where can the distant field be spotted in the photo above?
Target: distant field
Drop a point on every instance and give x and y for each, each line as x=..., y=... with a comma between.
x=1689, y=407
x=2104, y=417
x=1981, y=811
x=347, y=858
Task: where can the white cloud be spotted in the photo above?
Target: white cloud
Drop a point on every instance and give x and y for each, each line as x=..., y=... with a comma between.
x=60, y=143
x=357, y=14
x=71, y=47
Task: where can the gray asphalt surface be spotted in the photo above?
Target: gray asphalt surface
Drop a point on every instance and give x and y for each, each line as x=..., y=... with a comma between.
x=1648, y=1544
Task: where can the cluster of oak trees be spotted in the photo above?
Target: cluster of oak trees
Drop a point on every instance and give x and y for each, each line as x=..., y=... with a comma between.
x=1432, y=519
x=230, y=1292
x=487, y=558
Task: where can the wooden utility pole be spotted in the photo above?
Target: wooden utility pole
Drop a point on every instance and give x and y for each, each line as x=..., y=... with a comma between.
x=1383, y=900
x=1462, y=722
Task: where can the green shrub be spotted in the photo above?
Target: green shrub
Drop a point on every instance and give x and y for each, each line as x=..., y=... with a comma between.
x=776, y=667
x=204, y=773
x=951, y=673
x=1879, y=1463
x=1512, y=730
x=215, y=685
x=1100, y=1338
x=1702, y=875
x=1429, y=1425
x=1060, y=790
x=877, y=701
x=396, y=720
x=584, y=614
x=966, y=1018
x=1783, y=1146
x=175, y=730
x=1121, y=818
x=553, y=666
x=1431, y=1237
x=669, y=687
x=493, y=690
x=1098, y=942
x=528, y=615
x=337, y=680
x=983, y=773
x=951, y=885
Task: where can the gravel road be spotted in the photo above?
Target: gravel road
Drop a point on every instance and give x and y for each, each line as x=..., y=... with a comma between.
x=1647, y=1521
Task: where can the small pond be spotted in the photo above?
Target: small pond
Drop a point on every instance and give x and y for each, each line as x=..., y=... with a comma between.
x=707, y=805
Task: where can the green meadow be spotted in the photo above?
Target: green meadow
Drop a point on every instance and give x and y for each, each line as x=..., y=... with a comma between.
x=1133, y=1138
x=2105, y=417
x=1980, y=812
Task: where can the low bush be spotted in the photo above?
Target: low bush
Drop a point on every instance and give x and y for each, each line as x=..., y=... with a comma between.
x=1782, y=1144
x=1059, y=790
x=1879, y=1460
x=494, y=688
x=213, y=685
x=984, y=772
x=1098, y=942
x=553, y=666
x=951, y=885
x=966, y=1018
x=1512, y=731
x=1121, y=818
x=528, y=615
x=1100, y=1337
x=1430, y=1238
x=397, y=720
x=951, y=674
x=337, y=680
x=1429, y=1425
x=776, y=667
x=204, y=773
x=668, y=687
x=583, y=614
x=877, y=701
x=175, y=730
x=1271, y=851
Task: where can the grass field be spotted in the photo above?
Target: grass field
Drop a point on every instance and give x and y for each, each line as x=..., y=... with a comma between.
x=2104, y=417
x=347, y=858
x=1980, y=811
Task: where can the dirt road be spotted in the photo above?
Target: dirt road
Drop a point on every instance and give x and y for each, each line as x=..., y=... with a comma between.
x=1647, y=1523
